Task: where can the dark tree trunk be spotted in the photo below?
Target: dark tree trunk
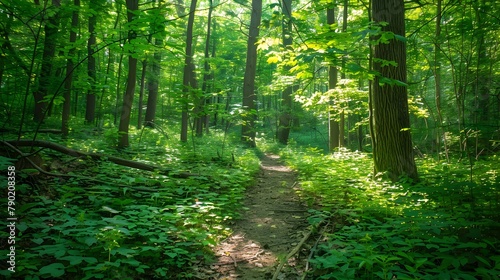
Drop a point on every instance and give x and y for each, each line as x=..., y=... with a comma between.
x=91, y=68
x=188, y=78
x=392, y=145
x=207, y=76
x=249, y=95
x=128, y=98
x=285, y=118
x=152, y=86
x=49, y=51
x=333, y=124
x=69, y=71
x=141, y=94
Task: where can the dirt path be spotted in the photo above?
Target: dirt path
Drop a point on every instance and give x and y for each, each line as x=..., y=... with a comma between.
x=268, y=231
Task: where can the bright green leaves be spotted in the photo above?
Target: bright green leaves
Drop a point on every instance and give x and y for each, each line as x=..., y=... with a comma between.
x=430, y=230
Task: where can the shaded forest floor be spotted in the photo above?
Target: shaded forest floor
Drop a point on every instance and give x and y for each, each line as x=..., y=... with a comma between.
x=273, y=222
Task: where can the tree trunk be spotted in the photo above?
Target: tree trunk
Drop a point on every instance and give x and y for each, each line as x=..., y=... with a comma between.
x=392, y=145
x=141, y=94
x=152, y=86
x=342, y=125
x=249, y=95
x=49, y=51
x=333, y=124
x=188, y=78
x=128, y=98
x=69, y=71
x=285, y=118
x=207, y=76
x=91, y=68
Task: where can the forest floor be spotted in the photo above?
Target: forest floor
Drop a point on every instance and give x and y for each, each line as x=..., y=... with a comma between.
x=272, y=224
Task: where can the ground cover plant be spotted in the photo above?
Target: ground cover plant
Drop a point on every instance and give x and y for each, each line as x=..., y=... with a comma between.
x=126, y=223
x=444, y=227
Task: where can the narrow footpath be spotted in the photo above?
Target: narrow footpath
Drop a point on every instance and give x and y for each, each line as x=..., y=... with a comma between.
x=273, y=225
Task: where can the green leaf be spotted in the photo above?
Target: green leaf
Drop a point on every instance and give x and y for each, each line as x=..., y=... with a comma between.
x=54, y=269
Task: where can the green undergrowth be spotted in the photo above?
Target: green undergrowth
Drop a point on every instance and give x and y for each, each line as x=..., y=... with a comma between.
x=128, y=223
x=444, y=227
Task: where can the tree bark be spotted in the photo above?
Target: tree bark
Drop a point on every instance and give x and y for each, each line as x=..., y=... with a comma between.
x=69, y=71
x=207, y=76
x=333, y=124
x=91, y=67
x=285, y=118
x=392, y=144
x=249, y=95
x=49, y=51
x=141, y=94
x=152, y=85
x=188, y=78
x=128, y=98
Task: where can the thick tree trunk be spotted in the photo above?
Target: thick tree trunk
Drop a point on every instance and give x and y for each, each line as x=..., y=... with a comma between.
x=49, y=51
x=153, y=86
x=128, y=98
x=188, y=78
x=91, y=68
x=285, y=118
x=69, y=71
x=249, y=95
x=392, y=144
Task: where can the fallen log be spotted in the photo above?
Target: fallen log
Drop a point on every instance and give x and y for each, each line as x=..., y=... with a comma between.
x=96, y=156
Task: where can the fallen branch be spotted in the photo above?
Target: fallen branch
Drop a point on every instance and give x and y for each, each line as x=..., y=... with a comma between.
x=95, y=156
x=41, y=170
x=311, y=254
x=293, y=252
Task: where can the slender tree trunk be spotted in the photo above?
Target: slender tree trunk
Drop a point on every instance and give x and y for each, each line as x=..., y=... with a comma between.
x=333, y=124
x=249, y=95
x=392, y=149
x=285, y=118
x=117, y=110
x=91, y=68
x=207, y=76
x=343, y=76
x=141, y=94
x=69, y=71
x=49, y=51
x=128, y=98
x=188, y=78
x=437, y=80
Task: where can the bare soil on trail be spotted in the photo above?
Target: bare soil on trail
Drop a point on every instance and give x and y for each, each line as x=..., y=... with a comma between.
x=273, y=225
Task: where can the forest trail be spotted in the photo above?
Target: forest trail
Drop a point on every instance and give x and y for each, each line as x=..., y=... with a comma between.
x=271, y=227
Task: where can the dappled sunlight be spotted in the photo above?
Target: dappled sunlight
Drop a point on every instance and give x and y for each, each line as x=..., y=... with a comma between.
x=238, y=250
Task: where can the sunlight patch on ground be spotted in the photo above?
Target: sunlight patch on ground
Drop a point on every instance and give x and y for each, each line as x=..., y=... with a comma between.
x=238, y=251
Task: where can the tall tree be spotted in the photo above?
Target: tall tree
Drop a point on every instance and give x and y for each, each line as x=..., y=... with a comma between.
x=207, y=76
x=69, y=70
x=128, y=98
x=152, y=83
x=189, y=78
x=285, y=118
x=49, y=51
x=391, y=138
x=333, y=124
x=91, y=64
x=249, y=95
